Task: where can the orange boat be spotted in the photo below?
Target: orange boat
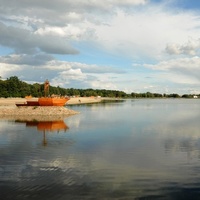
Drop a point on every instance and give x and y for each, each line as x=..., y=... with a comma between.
x=45, y=101
x=52, y=101
x=32, y=103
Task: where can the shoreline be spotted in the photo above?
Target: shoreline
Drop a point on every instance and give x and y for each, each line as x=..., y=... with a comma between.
x=9, y=110
x=35, y=112
x=72, y=101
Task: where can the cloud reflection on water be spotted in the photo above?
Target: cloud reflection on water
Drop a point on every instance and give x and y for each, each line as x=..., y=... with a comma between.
x=121, y=151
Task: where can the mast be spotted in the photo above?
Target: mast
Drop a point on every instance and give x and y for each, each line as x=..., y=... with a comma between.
x=46, y=88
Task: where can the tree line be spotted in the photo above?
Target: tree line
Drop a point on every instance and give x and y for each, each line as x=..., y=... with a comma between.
x=13, y=87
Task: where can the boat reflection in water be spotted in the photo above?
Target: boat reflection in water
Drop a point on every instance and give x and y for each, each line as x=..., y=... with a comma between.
x=46, y=126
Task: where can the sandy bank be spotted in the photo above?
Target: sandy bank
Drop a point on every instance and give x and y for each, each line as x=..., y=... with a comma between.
x=8, y=109
x=30, y=111
x=73, y=100
x=83, y=100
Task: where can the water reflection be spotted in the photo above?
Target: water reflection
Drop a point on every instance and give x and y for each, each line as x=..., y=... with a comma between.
x=129, y=150
x=45, y=126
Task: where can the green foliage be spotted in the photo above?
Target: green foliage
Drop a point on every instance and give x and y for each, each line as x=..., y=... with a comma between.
x=187, y=96
x=13, y=87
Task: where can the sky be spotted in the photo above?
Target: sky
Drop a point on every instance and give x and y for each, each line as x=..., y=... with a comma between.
x=130, y=45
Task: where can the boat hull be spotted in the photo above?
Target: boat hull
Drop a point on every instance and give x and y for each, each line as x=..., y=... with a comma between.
x=32, y=103
x=45, y=101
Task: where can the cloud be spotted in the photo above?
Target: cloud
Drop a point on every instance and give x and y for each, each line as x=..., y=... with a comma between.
x=137, y=32
x=96, y=69
x=24, y=41
x=181, y=70
x=6, y=69
x=130, y=31
x=24, y=59
x=192, y=47
x=60, y=12
x=85, y=68
x=64, y=5
x=75, y=77
x=74, y=32
x=69, y=76
x=88, y=76
x=65, y=74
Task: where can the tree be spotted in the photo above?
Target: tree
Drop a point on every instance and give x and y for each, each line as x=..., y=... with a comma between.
x=13, y=86
x=3, y=89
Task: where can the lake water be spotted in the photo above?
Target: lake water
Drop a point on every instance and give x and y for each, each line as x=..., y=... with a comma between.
x=133, y=149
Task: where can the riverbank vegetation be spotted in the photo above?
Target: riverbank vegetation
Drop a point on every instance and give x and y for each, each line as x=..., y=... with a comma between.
x=14, y=87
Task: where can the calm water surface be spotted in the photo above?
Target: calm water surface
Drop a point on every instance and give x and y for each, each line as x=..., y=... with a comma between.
x=134, y=149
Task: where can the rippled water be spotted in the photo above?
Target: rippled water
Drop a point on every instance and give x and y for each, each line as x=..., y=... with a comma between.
x=134, y=149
